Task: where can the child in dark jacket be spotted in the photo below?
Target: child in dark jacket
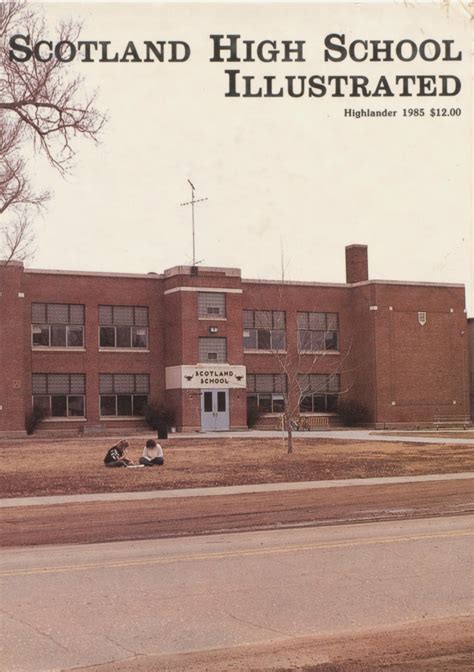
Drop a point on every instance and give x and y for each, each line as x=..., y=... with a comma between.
x=116, y=456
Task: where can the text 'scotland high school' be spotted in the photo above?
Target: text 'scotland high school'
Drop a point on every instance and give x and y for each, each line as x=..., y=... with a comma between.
x=93, y=350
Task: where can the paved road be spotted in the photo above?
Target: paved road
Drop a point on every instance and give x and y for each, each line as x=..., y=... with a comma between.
x=69, y=606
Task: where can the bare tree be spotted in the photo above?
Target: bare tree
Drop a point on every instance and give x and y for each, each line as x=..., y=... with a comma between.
x=299, y=370
x=41, y=108
x=18, y=239
x=298, y=367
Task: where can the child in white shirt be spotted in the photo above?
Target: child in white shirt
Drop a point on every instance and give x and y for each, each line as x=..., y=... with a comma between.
x=152, y=454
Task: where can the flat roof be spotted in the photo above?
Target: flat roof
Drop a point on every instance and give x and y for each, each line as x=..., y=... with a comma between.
x=45, y=271
x=354, y=284
x=235, y=272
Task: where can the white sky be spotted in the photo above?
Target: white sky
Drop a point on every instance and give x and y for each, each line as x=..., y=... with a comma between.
x=291, y=173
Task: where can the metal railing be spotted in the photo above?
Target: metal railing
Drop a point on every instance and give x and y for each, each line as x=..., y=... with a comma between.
x=443, y=421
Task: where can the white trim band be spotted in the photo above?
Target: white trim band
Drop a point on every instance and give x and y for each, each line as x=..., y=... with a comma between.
x=227, y=290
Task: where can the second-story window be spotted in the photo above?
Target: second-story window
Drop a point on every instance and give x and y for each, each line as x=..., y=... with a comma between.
x=264, y=330
x=123, y=327
x=212, y=349
x=211, y=304
x=59, y=325
x=318, y=332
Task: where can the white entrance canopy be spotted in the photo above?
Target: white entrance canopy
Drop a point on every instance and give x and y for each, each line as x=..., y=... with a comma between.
x=205, y=376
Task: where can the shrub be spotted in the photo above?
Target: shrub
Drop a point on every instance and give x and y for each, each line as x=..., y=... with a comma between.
x=253, y=416
x=33, y=419
x=352, y=412
x=159, y=417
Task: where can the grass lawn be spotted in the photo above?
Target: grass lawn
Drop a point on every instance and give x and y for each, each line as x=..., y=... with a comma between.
x=440, y=434
x=68, y=466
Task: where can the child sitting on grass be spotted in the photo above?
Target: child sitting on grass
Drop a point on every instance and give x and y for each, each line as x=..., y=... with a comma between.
x=152, y=454
x=116, y=456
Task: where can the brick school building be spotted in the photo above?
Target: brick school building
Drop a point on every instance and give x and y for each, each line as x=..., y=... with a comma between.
x=93, y=350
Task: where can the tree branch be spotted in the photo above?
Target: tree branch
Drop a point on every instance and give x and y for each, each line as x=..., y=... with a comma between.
x=42, y=107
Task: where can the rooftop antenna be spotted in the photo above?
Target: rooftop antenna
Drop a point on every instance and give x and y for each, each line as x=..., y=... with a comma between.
x=191, y=203
x=282, y=260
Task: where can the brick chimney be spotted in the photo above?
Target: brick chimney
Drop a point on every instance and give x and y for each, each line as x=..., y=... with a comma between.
x=357, y=265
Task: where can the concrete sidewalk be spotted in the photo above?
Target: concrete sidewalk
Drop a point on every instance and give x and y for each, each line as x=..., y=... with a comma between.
x=226, y=490
x=339, y=434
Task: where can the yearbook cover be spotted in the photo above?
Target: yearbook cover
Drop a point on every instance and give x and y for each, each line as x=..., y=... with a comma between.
x=243, y=231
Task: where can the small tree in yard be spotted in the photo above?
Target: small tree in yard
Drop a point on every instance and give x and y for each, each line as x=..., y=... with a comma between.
x=41, y=108
x=298, y=367
x=302, y=381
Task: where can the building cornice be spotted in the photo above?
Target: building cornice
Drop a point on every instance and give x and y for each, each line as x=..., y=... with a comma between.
x=203, y=271
x=410, y=283
x=101, y=274
x=305, y=283
x=308, y=283
x=291, y=283
x=187, y=288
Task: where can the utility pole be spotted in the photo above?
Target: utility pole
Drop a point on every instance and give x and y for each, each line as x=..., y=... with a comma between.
x=191, y=203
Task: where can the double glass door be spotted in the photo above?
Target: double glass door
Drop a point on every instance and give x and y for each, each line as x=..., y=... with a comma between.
x=214, y=410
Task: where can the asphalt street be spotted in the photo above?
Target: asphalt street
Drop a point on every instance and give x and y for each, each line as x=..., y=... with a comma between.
x=71, y=606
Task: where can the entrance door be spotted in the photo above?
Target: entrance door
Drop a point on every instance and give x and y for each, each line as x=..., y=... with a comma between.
x=215, y=410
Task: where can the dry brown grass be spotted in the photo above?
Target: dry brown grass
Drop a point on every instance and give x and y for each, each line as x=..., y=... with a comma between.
x=440, y=434
x=69, y=466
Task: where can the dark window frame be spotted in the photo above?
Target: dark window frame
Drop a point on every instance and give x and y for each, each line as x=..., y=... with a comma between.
x=48, y=325
x=329, y=338
x=54, y=397
x=321, y=393
x=264, y=337
x=220, y=358
x=120, y=330
x=121, y=396
x=274, y=394
x=209, y=311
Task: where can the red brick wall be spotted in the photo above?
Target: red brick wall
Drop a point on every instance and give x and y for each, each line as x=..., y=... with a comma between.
x=93, y=291
x=360, y=384
x=12, y=348
x=423, y=369
x=184, y=328
x=385, y=355
x=470, y=337
x=293, y=299
x=357, y=265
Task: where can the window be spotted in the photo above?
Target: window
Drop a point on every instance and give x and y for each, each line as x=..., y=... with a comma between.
x=59, y=395
x=212, y=349
x=211, y=304
x=319, y=392
x=123, y=327
x=264, y=330
x=59, y=325
x=265, y=392
x=318, y=331
x=123, y=394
